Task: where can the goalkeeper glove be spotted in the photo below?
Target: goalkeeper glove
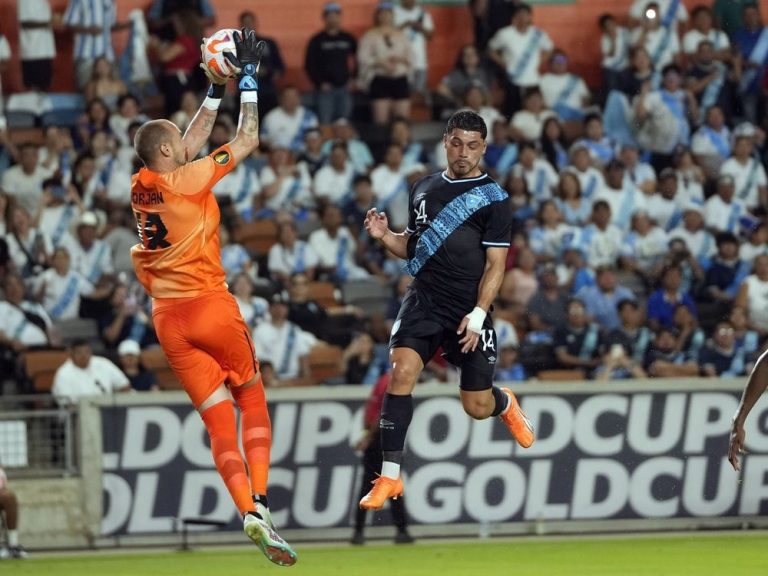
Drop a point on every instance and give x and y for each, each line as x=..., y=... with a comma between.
x=247, y=60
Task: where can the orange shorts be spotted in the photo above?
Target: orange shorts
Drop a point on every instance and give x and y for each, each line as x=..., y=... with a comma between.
x=206, y=341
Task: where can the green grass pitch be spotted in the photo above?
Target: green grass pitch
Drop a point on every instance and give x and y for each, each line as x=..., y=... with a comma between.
x=741, y=554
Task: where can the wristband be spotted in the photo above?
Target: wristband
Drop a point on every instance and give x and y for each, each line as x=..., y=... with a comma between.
x=211, y=103
x=217, y=91
x=476, y=320
x=252, y=96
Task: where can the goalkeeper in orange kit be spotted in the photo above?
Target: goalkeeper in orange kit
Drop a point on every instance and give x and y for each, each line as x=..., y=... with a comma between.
x=198, y=323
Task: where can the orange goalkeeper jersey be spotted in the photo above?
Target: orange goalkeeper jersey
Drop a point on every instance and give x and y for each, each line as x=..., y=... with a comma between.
x=178, y=221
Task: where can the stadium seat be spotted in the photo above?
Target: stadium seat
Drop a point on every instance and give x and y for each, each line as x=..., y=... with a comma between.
x=325, y=363
x=427, y=132
x=67, y=100
x=20, y=119
x=324, y=293
x=372, y=296
x=41, y=366
x=79, y=329
x=561, y=375
x=257, y=237
x=24, y=135
x=154, y=359
x=66, y=117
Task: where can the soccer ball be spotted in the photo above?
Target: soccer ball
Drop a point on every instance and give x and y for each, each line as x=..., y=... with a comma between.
x=213, y=53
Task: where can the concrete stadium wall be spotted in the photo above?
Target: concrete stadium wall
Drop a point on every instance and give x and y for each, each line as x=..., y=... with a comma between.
x=572, y=26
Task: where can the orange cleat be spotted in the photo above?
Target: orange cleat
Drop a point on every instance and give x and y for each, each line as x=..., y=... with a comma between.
x=517, y=422
x=383, y=489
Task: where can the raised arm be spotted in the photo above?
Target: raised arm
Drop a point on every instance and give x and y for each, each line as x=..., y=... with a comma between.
x=756, y=385
x=377, y=226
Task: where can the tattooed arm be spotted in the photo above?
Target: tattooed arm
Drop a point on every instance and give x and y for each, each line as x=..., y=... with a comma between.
x=247, y=138
x=198, y=131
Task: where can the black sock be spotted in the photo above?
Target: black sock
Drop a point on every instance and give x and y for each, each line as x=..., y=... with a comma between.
x=502, y=400
x=261, y=499
x=396, y=416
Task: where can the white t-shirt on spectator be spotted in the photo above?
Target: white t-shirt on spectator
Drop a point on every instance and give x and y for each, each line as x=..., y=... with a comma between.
x=721, y=216
x=15, y=326
x=693, y=38
x=61, y=295
x=661, y=210
x=624, y=204
x=637, y=10
x=748, y=251
x=333, y=251
x=553, y=85
x=645, y=250
x=591, y=180
x=530, y=124
x=515, y=45
x=747, y=179
x=287, y=130
x=639, y=174
x=5, y=54
x=101, y=377
x=36, y=43
x=602, y=247
x=283, y=346
x=26, y=188
x=700, y=243
x=417, y=39
x=702, y=145
x=661, y=55
x=30, y=243
x=757, y=301
x=284, y=261
x=241, y=185
x=390, y=188
x=93, y=263
x=619, y=58
x=688, y=190
x=294, y=190
x=541, y=179
x=57, y=221
x=334, y=185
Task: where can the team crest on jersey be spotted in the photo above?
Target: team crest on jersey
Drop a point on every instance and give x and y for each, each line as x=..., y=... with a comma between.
x=221, y=158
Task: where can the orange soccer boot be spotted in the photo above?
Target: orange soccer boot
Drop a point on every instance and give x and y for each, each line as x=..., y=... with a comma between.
x=383, y=489
x=517, y=422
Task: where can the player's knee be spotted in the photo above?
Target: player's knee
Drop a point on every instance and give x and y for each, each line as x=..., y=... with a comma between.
x=404, y=376
x=479, y=408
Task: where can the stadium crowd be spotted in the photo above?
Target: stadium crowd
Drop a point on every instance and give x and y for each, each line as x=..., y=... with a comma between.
x=640, y=240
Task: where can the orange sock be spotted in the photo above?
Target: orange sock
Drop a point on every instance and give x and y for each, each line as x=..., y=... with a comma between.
x=256, y=432
x=220, y=422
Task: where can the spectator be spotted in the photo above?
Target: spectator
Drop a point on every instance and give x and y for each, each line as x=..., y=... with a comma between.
x=601, y=148
x=753, y=48
x=721, y=356
x=476, y=98
x=748, y=173
x=663, y=116
x=601, y=300
x=469, y=71
x=57, y=152
x=711, y=143
x=540, y=178
x=391, y=187
x=639, y=76
x=601, y=240
x=333, y=182
x=89, y=255
x=662, y=302
x=575, y=210
x=335, y=247
x=665, y=361
x=9, y=507
x=235, y=259
x=37, y=48
x=125, y=320
x=84, y=374
x=657, y=35
x=285, y=185
x=523, y=211
x=547, y=308
x=188, y=107
x=23, y=323
x=413, y=151
x=726, y=272
x=501, y=151
x=306, y=313
x=312, y=156
x=359, y=153
x=644, y=247
x=92, y=24
x=690, y=180
x=159, y=16
x=590, y=178
x=418, y=27
x=290, y=255
x=129, y=112
x=527, y=123
x=360, y=362
x=546, y=239
x=96, y=118
x=691, y=270
x=753, y=296
x=140, y=379
x=627, y=344
x=254, y=309
x=358, y=204
x=329, y=64
x=712, y=82
x=624, y=198
x=180, y=59
x=577, y=343
x=5, y=57
x=271, y=67
x=699, y=242
x=519, y=49
x=286, y=125
x=508, y=366
x=553, y=144
x=60, y=288
x=747, y=340
x=25, y=180
x=663, y=206
x=29, y=248
x=614, y=46
x=520, y=283
x=564, y=92
x=690, y=338
x=489, y=17
x=757, y=244
x=282, y=343
x=637, y=172
x=104, y=84
x=703, y=29
x=670, y=12
x=722, y=212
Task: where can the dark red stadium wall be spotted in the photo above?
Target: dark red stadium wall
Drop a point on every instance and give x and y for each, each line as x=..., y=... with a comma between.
x=573, y=27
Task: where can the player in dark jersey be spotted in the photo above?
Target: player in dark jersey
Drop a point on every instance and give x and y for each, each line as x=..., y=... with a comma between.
x=456, y=243
x=756, y=386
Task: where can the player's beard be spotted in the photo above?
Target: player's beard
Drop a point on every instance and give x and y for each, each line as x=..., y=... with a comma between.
x=460, y=171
